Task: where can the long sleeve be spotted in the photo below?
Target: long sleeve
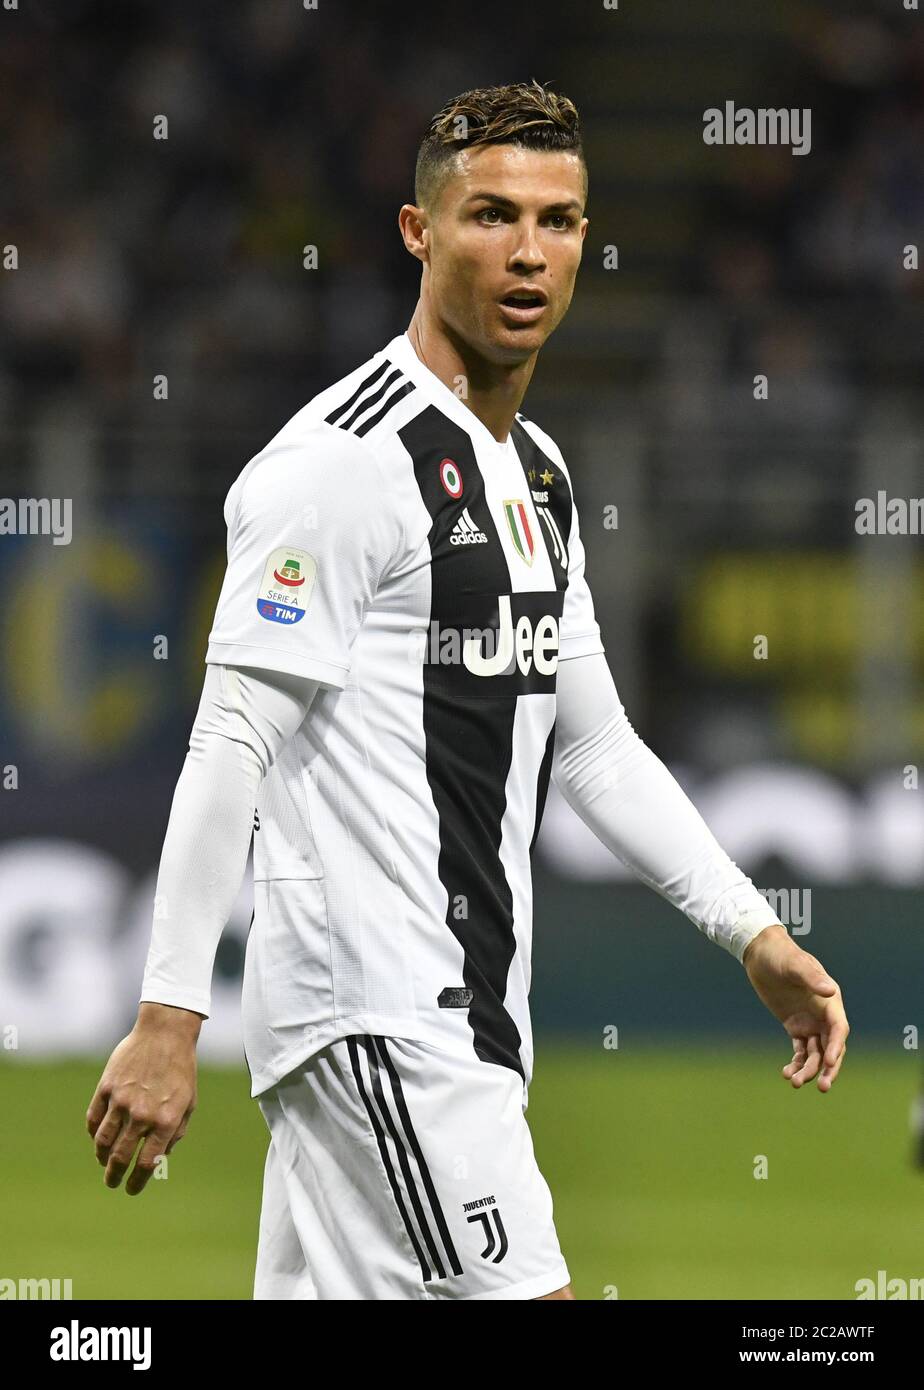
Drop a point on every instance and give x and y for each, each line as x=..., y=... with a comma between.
x=244, y=719
x=633, y=804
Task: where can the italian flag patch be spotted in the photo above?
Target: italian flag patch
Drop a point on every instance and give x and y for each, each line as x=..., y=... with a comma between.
x=519, y=529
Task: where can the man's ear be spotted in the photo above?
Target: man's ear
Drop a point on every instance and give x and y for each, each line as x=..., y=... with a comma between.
x=413, y=223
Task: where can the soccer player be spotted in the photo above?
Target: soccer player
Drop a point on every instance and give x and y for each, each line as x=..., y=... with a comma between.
x=404, y=650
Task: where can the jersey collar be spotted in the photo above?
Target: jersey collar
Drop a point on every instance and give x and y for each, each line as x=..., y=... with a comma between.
x=401, y=351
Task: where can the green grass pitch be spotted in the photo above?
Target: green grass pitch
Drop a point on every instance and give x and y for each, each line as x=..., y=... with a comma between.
x=650, y=1154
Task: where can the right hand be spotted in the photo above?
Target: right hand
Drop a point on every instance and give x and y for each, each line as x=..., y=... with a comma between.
x=147, y=1090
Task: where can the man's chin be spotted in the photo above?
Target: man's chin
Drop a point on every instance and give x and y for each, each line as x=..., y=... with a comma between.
x=511, y=345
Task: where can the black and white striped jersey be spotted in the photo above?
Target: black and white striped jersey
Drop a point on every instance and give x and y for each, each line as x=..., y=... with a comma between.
x=386, y=545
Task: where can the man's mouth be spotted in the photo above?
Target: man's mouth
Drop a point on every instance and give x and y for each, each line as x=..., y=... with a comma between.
x=523, y=297
x=524, y=305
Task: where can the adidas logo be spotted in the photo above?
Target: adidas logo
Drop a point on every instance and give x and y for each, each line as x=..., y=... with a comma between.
x=465, y=532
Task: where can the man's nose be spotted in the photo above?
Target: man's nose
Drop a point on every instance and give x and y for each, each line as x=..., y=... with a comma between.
x=529, y=252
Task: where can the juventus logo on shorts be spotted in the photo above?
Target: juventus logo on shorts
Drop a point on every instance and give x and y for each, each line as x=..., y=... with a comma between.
x=494, y=1232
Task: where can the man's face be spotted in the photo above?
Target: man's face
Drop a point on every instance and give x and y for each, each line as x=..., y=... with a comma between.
x=508, y=224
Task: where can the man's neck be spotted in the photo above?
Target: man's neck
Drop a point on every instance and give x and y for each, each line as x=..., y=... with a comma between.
x=492, y=391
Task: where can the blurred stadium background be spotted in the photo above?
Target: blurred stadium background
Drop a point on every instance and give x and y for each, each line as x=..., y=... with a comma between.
x=183, y=257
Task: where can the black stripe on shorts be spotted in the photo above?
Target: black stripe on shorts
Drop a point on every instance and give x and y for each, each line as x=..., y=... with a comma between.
x=435, y=1256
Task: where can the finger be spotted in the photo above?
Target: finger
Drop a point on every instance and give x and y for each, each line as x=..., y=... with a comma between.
x=121, y=1154
x=97, y=1109
x=146, y=1163
x=831, y=1068
x=829, y=1074
x=180, y=1134
x=798, y=1058
x=812, y=1063
x=108, y=1131
x=836, y=1040
x=799, y=1075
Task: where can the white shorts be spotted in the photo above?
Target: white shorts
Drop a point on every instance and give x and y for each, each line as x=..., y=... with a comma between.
x=397, y=1170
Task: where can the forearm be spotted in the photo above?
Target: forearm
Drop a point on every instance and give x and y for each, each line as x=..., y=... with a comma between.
x=243, y=721
x=201, y=867
x=630, y=800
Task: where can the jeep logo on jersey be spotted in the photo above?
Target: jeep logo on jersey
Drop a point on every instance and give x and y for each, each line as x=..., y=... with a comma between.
x=288, y=580
x=526, y=645
x=511, y=638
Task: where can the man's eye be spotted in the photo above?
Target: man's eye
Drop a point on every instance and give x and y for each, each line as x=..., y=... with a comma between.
x=562, y=218
x=489, y=212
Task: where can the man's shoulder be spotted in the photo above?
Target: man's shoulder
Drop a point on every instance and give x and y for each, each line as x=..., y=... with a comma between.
x=323, y=444
x=334, y=413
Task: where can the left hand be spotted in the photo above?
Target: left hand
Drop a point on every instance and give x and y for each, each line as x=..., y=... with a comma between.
x=799, y=991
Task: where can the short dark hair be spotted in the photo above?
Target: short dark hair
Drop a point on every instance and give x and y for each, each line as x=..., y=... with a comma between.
x=521, y=113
